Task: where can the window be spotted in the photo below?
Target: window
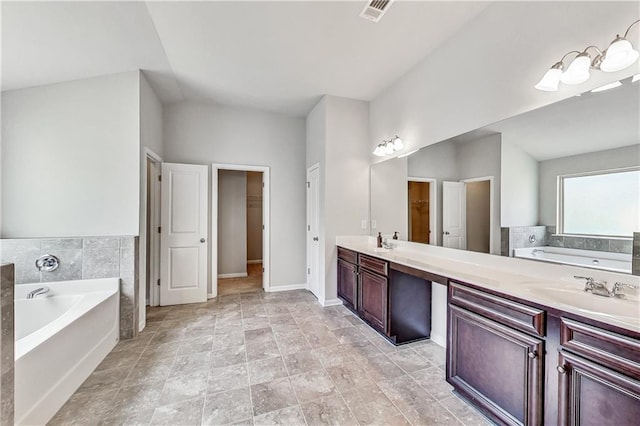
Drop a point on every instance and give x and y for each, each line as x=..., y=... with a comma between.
x=600, y=204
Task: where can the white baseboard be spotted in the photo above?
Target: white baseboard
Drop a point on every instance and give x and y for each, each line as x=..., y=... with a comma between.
x=438, y=339
x=253, y=262
x=142, y=325
x=331, y=302
x=275, y=288
x=234, y=275
x=211, y=296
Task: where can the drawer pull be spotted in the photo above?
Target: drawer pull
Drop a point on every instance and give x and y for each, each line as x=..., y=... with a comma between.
x=561, y=369
x=532, y=355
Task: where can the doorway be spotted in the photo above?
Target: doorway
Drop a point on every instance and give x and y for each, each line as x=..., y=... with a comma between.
x=478, y=215
x=467, y=214
x=422, y=209
x=149, y=243
x=240, y=229
x=313, y=230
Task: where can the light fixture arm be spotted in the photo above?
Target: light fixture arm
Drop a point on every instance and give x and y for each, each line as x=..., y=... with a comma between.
x=626, y=33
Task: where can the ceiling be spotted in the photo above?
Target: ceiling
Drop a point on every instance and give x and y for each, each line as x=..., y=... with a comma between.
x=588, y=123
x=278, y=56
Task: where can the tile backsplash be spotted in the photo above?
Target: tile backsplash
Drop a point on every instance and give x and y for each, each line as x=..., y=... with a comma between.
x=518, y=237
x=81, y=258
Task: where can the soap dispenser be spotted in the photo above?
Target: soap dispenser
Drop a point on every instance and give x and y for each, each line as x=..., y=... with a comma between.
x=379, y=239
x=395, y=235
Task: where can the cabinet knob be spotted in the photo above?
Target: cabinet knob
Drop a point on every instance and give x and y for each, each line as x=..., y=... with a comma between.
x=532, y=355
x=561, y=369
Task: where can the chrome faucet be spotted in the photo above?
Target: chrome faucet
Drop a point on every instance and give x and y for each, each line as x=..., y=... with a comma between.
x=595, y=287
x=618, y=289
x=37, y=292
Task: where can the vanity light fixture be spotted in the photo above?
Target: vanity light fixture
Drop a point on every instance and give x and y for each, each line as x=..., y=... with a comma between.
x=385, y=147
x=619, y=55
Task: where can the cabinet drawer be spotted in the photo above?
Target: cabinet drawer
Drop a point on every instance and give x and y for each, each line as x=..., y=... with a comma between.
x=614, y=350
x=375, y=265
x=521, y=317
x=347, y=255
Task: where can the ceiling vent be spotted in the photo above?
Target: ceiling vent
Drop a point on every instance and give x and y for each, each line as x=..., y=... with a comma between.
x=375, y=9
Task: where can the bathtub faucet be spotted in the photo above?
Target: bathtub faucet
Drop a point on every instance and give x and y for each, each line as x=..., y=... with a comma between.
x=37, y=291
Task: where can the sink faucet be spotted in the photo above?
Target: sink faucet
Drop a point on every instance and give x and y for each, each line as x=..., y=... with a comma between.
x=37, y=291
x=387, y=245
x=618, y=289
x=595, y=287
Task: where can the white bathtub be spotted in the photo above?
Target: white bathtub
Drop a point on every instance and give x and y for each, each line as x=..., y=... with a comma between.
x=614, y=262
x=61, y=337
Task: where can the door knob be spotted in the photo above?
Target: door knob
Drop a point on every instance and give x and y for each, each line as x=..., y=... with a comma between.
x=202, y=240
x=446, y=232
x=315, y=238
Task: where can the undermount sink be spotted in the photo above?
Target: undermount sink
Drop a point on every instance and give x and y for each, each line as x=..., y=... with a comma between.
x=625, y=309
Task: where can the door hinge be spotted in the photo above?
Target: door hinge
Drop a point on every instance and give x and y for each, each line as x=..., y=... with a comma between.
x=263, y=227
x=159, y=229
x=308, y=227
x=263, y=184
x=159, y=178
x=262, y=270
x=308, y=184
x=158, y=281
x=308, y=271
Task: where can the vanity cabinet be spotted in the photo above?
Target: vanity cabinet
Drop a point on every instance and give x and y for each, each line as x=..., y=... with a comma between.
x=373, y=301
x=393, y=299
x=599, y=376
x=348, y=278
x=495, y=354
x=525, y=364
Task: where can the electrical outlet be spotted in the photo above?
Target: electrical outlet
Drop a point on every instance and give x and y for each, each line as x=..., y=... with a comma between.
x=363, y=224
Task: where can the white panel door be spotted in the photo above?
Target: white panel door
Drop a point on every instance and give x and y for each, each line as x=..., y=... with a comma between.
x=184, y=231
x=453, y=215
x=313, y=231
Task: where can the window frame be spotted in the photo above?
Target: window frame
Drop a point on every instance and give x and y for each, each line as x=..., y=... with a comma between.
x=560, y=201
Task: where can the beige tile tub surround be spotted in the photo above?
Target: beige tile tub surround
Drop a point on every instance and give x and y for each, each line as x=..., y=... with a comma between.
x=82, y=258
x=7, y=361
x=265, y=359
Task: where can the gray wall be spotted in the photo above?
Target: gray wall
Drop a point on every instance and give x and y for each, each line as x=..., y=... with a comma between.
x=337, y=139
x=453, y=161
x=70, y=158
x=204, y=133
x=550, y=170
x=232, y=223
x=519, y=187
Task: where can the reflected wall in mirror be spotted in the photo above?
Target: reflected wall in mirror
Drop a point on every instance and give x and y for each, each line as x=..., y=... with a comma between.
x=503, y=188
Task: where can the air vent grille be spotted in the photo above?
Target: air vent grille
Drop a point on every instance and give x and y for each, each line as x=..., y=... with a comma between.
x=375, y=9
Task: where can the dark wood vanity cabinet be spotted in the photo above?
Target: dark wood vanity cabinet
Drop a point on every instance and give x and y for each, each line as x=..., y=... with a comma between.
x=348, y=278
x=598, y=376
x=393, y=299
x=490, y=361
x=534, y=365
x=373, y=302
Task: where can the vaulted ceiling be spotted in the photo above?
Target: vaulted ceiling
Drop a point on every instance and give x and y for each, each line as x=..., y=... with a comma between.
x=278, y=56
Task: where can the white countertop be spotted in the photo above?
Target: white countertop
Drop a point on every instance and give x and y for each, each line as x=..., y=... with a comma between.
x=547, y=284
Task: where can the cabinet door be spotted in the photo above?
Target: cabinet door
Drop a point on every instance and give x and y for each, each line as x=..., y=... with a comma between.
x=590, y=394
x=497, y=367
x=373, y=299
x=347, y=284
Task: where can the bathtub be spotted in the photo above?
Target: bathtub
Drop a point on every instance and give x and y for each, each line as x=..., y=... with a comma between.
x=61, y=337
x=614, y=262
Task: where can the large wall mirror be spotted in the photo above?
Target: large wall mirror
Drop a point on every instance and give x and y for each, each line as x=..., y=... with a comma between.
x=560, y=180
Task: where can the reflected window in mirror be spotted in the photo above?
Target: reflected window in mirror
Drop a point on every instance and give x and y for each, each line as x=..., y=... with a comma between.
x=600, y=204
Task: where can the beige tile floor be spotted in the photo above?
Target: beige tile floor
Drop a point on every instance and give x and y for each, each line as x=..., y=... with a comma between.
x=249, y=284
x=265, y=359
